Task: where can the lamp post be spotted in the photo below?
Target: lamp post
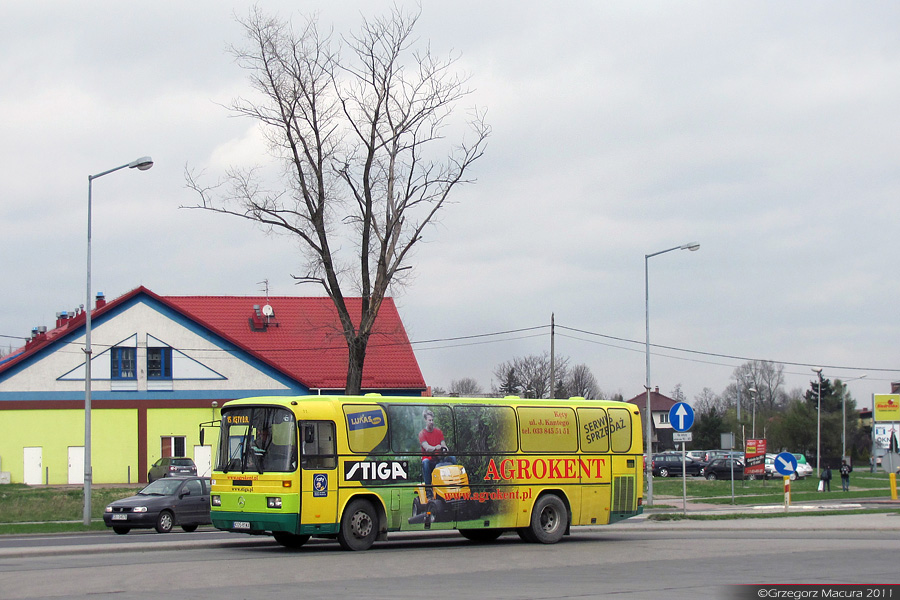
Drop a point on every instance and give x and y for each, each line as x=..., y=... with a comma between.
x=844, y=415
x=692, y=246
x=753, y=393
x=818, y=371
x=142, y=164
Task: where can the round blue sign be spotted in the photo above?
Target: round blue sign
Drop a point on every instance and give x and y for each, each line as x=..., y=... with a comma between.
x=681, y=416
x=786, y=463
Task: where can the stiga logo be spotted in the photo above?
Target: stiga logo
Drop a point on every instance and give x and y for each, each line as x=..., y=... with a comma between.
x=376, y=470
x=365, y=420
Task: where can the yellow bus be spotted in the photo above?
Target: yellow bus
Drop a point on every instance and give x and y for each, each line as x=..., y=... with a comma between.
x=358, y=467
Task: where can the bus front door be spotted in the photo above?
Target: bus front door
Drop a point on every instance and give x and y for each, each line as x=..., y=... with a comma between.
x=318, y=479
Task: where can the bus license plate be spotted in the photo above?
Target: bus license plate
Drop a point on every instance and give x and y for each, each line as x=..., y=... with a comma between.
x=119, y=517
x=242, y=524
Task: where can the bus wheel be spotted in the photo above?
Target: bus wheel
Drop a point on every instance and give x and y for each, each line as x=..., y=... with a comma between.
x=359, y=526
x=290, y=540
x=481, y=536
x=549, y=519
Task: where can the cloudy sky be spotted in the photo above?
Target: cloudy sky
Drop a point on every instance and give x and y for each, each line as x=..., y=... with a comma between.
x=765, y=131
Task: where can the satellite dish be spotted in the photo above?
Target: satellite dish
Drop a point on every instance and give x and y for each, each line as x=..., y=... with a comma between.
x=268, y=311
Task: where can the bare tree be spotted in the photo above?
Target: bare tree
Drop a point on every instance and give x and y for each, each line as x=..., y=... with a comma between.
x=361, y=139
x=465, y=387
x=766, y=378
x=706, y=401
x=581, y=382
x=529, y=375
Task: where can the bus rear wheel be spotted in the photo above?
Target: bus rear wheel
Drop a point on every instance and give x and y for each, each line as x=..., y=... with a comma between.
x=549, y=519
x=359, y=526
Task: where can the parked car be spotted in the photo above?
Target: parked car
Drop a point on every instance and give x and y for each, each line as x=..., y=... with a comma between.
x=669, y=465
x=721, y=468
x=698, y=455
x=803, y=469
x=171, y=466
x=161, y=505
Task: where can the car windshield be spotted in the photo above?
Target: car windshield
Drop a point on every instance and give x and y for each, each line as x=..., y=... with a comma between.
x=161, y=487
x=257, y=439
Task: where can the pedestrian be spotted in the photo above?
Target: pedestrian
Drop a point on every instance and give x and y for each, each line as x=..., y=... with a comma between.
x=826, y=480
x=845, y=476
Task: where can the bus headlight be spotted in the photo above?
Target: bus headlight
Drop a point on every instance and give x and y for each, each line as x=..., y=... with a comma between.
x=215, y=500
x=273, y=502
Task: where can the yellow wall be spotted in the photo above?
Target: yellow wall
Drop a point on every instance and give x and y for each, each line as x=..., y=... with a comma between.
x=114, y=440
x=174, y=421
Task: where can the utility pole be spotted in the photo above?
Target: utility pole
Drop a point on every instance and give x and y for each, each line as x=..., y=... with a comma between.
x=552, y=356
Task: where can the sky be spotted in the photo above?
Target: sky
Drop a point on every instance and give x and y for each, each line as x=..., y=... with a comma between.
x=767, y=132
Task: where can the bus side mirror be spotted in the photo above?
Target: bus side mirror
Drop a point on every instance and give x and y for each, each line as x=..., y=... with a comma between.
x=202, y=431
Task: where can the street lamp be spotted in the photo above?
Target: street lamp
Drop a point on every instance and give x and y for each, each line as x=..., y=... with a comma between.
x=692, y=246
x=818, y=371
x=753, y=393
x=142, y=164
x=844, y=415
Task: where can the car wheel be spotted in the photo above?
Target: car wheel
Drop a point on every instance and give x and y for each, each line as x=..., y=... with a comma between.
x=290, y=540
x=549, y=519
x=359, y=526
x=751, y=477
x=164, y=522
x=793, y=477
x=664, y=472
x=190, y=528
x=711, y=476
x=121, y=530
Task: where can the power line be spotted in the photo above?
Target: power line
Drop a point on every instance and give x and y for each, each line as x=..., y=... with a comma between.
x=467, y=340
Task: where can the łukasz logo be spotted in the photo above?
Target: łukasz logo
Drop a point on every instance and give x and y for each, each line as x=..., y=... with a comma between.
x=376, y=470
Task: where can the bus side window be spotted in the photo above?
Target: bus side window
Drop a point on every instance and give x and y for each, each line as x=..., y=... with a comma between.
x=318, y=449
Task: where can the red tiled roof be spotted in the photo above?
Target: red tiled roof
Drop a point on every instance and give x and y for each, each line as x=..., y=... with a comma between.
x=658, y=402
x=302, y=339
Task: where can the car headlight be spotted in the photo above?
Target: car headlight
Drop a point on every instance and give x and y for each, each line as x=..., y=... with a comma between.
x=273, y=502
x=109, y=508
x=139, y=509
x=215, y=500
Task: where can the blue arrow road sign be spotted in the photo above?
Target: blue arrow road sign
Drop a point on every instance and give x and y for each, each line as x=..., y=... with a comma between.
x=681, y=416
x=786, y=463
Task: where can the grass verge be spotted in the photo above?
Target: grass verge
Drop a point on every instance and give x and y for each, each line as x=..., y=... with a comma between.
x=771, y=515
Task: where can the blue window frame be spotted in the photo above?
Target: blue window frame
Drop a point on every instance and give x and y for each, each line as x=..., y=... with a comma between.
x=123, y=363
x=159, y=363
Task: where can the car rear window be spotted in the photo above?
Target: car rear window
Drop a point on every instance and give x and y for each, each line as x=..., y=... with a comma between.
x=183, y=462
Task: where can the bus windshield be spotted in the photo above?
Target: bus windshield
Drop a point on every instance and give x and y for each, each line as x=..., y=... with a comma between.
x=258, y=440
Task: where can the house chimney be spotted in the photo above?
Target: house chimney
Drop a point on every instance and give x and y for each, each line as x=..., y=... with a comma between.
x=61, y=319
x=101, y=300
x=657, y=389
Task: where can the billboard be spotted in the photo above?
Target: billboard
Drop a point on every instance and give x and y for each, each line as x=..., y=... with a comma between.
x=887, y=407
x=755, y=457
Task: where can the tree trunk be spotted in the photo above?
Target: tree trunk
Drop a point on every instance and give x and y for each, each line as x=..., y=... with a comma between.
x=355, y=360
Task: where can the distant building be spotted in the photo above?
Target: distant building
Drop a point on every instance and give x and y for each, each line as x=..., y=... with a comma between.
x=661, y=429
x=162, y=365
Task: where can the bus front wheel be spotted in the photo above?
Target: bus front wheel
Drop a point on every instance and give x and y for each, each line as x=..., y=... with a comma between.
x=549, y=519
x=359, y=526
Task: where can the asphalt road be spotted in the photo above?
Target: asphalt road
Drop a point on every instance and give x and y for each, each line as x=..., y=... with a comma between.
x=633, y=559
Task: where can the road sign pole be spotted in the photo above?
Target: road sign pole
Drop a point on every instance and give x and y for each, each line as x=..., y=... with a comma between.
x=683, y=478
x=787, y=493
